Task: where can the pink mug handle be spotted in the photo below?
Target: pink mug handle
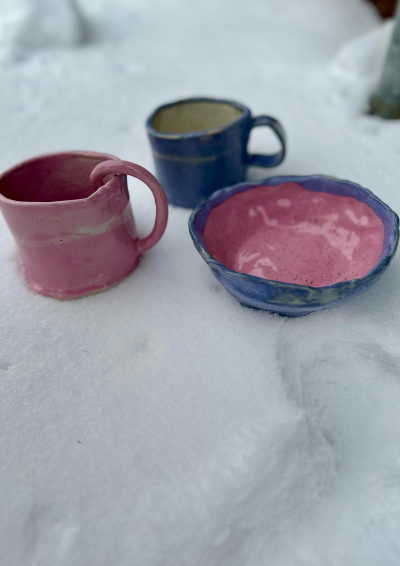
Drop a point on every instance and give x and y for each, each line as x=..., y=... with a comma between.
x=117, y=167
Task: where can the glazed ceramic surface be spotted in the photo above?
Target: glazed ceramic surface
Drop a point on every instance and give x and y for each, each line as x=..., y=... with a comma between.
x=286, y=233
x=72, y=221
x=293, y=245
x=199, y=146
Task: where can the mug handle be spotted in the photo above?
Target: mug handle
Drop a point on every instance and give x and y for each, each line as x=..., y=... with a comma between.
x=268, y=160
x=117, y=167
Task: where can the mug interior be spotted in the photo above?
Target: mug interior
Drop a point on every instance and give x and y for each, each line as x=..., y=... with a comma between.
x=52, y=178
x=192, y=116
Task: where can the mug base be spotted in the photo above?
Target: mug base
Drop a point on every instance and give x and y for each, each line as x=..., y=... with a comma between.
x=67, y=295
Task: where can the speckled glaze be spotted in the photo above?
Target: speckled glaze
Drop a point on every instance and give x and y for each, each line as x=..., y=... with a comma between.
x=286, y=233
x=72, y=221
x=237, y=206
x=192, y=165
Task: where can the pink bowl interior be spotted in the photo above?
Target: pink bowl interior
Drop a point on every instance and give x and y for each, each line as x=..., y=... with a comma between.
x=287, y=233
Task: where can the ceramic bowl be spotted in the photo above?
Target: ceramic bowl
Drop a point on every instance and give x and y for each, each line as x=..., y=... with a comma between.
x=293, y=245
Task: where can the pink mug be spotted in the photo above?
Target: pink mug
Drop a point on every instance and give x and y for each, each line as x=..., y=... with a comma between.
x=72, y=220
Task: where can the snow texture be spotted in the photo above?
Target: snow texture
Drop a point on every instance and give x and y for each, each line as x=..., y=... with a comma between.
x=160, y=423
x=48, y=23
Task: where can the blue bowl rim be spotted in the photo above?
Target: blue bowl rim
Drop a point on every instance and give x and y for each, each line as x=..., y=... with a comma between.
x=201, y=246
x=190, y=135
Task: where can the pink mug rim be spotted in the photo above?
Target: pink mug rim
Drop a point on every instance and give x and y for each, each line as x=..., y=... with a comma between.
x=72, y=153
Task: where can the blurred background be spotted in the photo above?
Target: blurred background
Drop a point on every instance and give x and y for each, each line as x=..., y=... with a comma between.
x=385, y=7
x=85, y=74
x=196, y=448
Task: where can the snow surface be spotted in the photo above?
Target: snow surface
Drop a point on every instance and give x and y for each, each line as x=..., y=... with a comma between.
x=160, y=423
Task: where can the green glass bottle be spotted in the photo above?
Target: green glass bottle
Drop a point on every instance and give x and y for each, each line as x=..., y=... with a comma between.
x=386, y=100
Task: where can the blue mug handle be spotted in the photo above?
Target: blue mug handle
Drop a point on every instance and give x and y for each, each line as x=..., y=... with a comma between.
x=268, y=160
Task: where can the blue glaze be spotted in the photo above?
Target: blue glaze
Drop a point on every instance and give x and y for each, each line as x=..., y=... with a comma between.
x=191, y=166
x=288, y=299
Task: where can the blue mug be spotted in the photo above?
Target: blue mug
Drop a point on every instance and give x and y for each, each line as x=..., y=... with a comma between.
x=200, y=145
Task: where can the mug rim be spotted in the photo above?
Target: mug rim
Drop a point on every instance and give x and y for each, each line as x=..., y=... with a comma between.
x=198, y=133
x=72, y=153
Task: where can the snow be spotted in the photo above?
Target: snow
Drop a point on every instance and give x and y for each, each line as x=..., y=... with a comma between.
x=160, y=423
x=48, y=24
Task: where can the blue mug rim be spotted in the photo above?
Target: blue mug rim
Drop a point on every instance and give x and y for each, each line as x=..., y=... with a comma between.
x=222, y=195
x=246, y=114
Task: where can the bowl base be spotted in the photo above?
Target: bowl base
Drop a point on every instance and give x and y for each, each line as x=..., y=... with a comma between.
x=290, y=315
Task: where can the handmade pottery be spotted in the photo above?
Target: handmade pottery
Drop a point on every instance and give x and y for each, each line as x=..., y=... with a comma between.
x=199, y=146
x=72, y=220
x=293, y=245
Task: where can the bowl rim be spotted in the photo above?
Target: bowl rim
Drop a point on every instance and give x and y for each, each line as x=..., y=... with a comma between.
x=385, y=257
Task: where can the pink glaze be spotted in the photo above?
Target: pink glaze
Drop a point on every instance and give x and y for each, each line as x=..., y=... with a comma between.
x=76, y=235
x=286, y=233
